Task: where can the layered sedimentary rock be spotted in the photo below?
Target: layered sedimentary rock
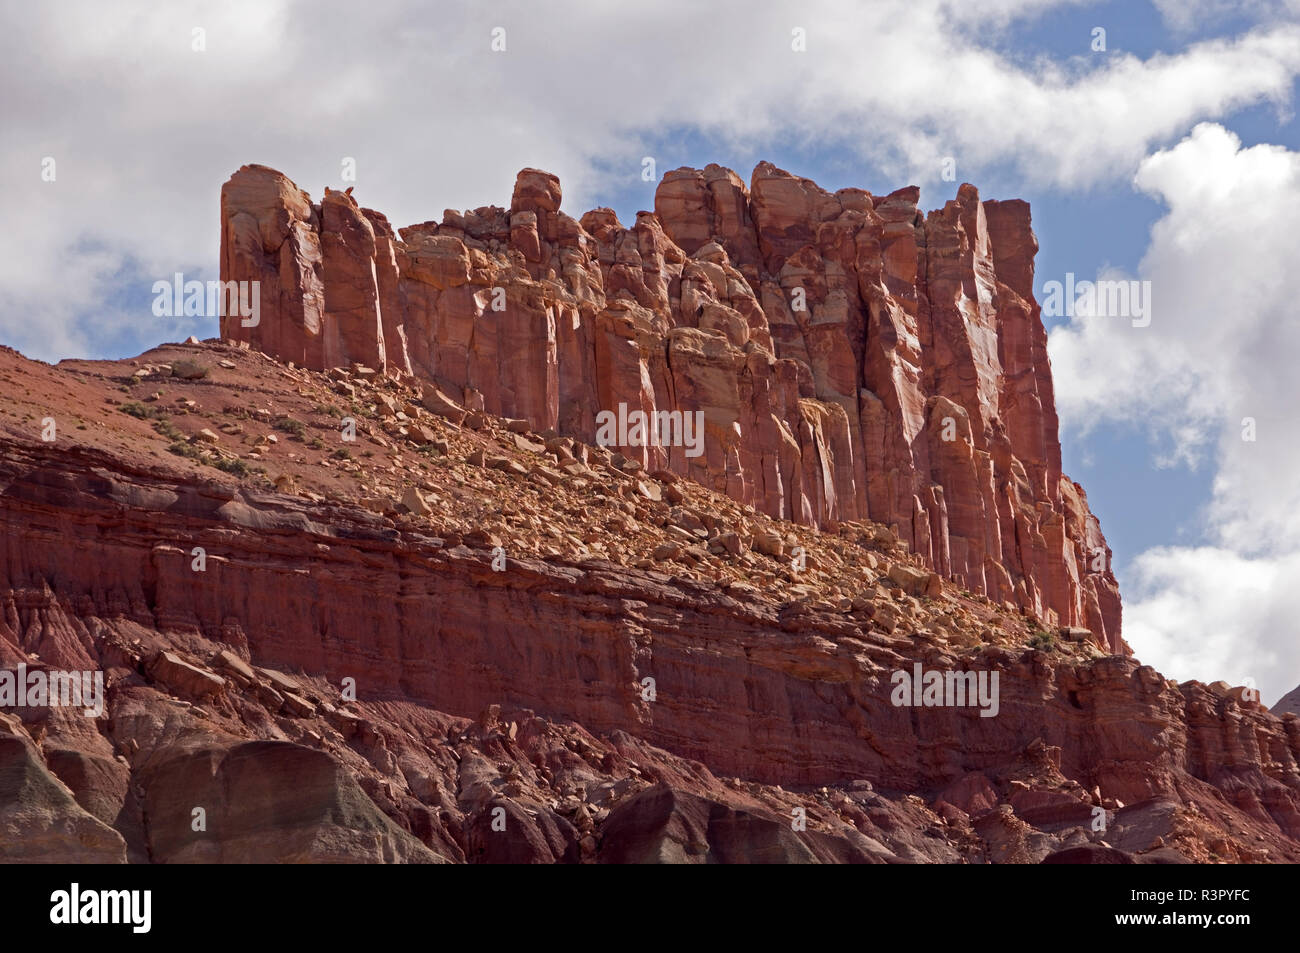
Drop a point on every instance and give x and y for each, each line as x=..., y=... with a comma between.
x=387, y=642
x=852, y=357
x=97, y=575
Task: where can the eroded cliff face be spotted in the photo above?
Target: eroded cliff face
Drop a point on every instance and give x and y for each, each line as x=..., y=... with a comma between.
x=852, y=358
x=389, y=641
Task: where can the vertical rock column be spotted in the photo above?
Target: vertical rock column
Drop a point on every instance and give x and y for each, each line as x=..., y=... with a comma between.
x=354, y=331
x=270, y=234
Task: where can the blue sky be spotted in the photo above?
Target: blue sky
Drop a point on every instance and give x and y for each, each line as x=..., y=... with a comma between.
x=1106, y=146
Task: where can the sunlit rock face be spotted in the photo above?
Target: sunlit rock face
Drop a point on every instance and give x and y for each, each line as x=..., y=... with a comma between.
x=849, y=357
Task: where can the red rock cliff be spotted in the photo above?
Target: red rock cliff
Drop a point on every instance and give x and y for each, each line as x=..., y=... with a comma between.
x=852, y=357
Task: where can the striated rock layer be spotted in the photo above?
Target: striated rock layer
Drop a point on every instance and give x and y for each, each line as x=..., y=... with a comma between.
x=852, y=357
x=350, y=673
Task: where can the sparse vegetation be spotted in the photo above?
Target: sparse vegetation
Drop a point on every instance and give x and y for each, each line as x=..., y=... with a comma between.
x=188, y=370
x=290, y=426
x=1041, y=639
x=134, y=408
x=183, y=449
x=165, y=429
x=236, y=466
x=189, y=451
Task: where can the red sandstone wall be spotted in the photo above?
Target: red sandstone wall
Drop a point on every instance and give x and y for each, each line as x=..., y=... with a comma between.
x=914, y=327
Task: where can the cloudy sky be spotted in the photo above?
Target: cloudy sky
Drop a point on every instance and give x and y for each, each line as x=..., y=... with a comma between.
x=1171, y=156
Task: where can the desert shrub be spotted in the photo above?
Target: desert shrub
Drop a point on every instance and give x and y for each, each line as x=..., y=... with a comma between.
x=165, y=429
x=290, y=426
x=188, y=370
x=134, y=408
x=183, y=449
x=236, y=466
x=1042, y=640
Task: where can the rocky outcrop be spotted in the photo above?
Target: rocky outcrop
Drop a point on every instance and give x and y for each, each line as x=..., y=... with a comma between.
x=851, y=357
x=454, y=638
x=40, y=820
x=416, y=619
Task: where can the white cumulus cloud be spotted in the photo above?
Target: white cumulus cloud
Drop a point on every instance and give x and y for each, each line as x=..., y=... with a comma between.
x=1216, y=370
x=145, y=128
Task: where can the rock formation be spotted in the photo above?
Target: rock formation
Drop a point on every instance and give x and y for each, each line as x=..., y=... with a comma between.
x=853, y=358
x=456, y=638
x=364, y=584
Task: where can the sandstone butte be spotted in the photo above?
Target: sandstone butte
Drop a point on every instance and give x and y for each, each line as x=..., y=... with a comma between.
x=473, y=635
x=826, y=338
